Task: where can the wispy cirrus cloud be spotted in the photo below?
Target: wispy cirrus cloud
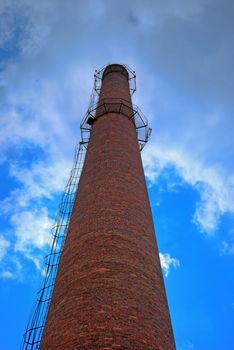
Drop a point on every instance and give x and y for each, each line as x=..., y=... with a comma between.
x=167, y=262
x=227, y=244
x=11, y=269
x=216, y=191
x=4, y=246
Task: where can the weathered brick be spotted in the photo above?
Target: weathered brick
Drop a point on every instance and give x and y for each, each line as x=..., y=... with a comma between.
x=109, y=291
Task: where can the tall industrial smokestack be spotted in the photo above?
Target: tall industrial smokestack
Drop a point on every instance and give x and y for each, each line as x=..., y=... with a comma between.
x=109, y=291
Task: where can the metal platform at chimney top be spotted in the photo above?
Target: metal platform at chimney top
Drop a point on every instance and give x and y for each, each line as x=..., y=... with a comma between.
x=98, y=107
x=116, y=105
x=98, y=77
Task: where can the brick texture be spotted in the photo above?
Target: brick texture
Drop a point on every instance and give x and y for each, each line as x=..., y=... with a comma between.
x=109, y=291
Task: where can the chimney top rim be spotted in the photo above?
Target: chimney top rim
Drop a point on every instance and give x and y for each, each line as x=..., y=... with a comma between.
x=115, y=67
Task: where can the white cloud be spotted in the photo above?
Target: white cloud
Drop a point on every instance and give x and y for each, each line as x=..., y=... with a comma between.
x=7, y=275
x=6, y=25
x=216, y=192
x=227, y=244
x=11, y=268
x=167, y=262
x=45, y=91
x=187, y=345
x=227, y=248
x=32, y=229
x=41, y=180
x=4, y=246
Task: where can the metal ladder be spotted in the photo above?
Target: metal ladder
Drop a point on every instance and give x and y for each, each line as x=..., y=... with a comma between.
x=34, y=331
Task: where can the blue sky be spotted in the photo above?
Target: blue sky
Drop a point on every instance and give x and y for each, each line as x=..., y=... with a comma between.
x=183, y=56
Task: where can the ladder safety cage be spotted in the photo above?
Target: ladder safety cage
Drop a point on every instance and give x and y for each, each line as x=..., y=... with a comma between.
x=33, y=334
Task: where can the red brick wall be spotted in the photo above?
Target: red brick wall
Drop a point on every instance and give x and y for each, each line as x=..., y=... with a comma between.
x=109, y=292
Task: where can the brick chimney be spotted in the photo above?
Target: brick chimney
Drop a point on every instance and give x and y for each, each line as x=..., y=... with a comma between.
x=109, y=291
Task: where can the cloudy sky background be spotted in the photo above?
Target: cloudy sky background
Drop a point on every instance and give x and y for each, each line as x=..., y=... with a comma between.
x=183, y=56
